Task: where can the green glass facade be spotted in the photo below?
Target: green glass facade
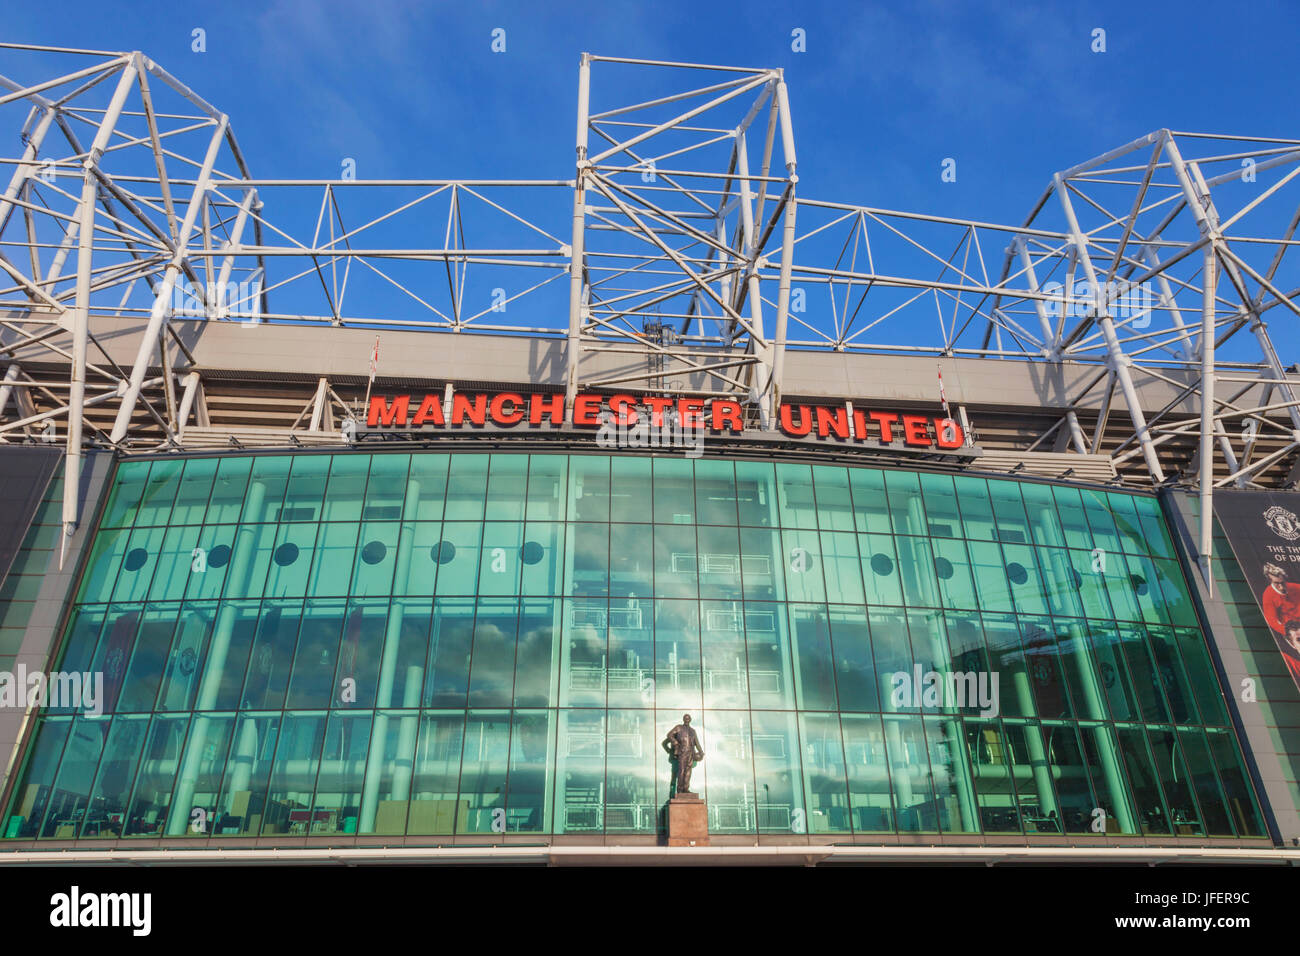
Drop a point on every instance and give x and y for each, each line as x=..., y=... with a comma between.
x=430, y=645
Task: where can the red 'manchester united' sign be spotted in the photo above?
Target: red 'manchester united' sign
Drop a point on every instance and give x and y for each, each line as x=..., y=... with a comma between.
x=510, y=409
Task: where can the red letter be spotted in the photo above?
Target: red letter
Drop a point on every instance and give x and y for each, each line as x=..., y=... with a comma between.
x=381, y=412
x=539, y=405
x=586, y=410
x=916, y=430
x=884, y=420
x=828, y=420
x=692, y=412
x=498, y=410
x=859, y=425
x=624, y=409
x=657, y=407
x=460, y=407
x=788, y=426
x=726, y=413
x=958, y=439
x=430, y=410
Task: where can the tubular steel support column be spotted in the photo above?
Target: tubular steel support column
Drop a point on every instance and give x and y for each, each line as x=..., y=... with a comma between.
x=1207, y=416
x=576, y=246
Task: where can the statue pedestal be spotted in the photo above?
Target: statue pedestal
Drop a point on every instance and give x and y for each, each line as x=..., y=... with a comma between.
x=688, y=821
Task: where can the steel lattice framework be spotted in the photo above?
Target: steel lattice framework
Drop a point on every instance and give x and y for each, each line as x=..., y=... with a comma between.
x=685, y=247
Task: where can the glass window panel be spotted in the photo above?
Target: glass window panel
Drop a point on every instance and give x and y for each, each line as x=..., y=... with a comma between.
x=1169, y=665
x=586, y=654
x=1142, y=670
x=1142, y=579
x=1062, y=582
x=435, y=802
x=106, y=809
x=492, y=659
x=631, y=564
x=1092, y=582
x=176, y=561
x=777, y=773
x=1184, y=815
x=756, y=495
x=1155, y=532
x=346, y=488
x=870, y=504
x=198, y=782
x=115, y=646
x=1047, y=673
x=1205, y=684
x=102, y=568
x=417, y=557
x=406, y=648
x=426, y=487
x=813, y=663
x=719, y=562
x=767, y=645
x=159, y=493
x=976, y=509
x=147, y=811
x=1087, y=694
x=266, y=487
x=451, y=637
x=834, y=502
x=674, y=491
x=458, y=557
x=129, y=483
x=1112, y=670
x=729, y=769
x=989, y=569
x=906, y=506
x=841, y=567
x=1030, y=776
x=855, y=673
x=909, y=771
x=1177, y=600
x=966, y=648
x=798, y=508
x=631, y=668
x=506, y=486
x=1073, y=787
x=1074, y=522
x=630, y=490
x=148, y=658
x=189, y=649
x=1108, y=783
x=547, y=487
x=542, y=557
x=307, y=479
x=1040, y=508
x=207, y=570
x=293, y=775
x=1126, y=522
x=332, y=563
x=465, y=483
x=824, y=782
x=722, y=639
x=893, y=653
x=880, y=572
x=917, y=572
x=676, y=561
x=1009, y=510
x=537, y=659
x=991, y=765
x=1026, y=585
x=867, y=765
x=944, y=520
x=359, y=655
x=1008, y=659
x=376, y=559
x=194, y=491
x=532, y=741
x=315, y=661
x=950, y=763
x=1202, y=776
x=291, y=560
x=631, y=756
x=580, y=770
x=678, y=666
x=484, y=768
x=500, y=564
x=337, y=804
x=243, y=808
x=952, y=568
x=587, y=567
x=69, y=793
x=589, y=489
x=228, y=491
x=392, y=747
x=1242, y=807
x=1152, y=817
x=762, y=564
x=1097, y=508
x=715, y=492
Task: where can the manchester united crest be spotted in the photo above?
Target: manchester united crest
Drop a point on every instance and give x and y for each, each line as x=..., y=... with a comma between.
x=1283, y=523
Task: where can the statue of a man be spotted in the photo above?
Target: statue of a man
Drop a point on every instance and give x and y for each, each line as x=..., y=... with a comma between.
x=683, y=745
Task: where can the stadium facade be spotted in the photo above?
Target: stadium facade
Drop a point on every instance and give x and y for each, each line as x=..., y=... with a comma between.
x=353, y=589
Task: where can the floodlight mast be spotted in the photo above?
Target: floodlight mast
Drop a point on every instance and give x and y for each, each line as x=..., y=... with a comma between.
x=689, y=257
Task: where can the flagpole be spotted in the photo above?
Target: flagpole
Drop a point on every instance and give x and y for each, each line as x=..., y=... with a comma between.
x=374, y=362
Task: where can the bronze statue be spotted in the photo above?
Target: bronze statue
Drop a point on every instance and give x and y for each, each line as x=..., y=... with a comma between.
x=683, y=745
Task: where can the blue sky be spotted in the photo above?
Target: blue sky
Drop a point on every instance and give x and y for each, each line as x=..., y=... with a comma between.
x=882, y=95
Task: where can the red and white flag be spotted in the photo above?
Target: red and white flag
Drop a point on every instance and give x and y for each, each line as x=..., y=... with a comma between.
x=374, y=361
x=947, y=413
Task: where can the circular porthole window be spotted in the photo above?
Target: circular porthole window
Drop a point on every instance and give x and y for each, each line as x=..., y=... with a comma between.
x=943, y=568
x=219, y=556
x=135, y=559
x=443, y=552
x=531, y=552
x=882, y=564
x=1139, y=583
x=286, y=554
x=1017, y=573
x=374, y=552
